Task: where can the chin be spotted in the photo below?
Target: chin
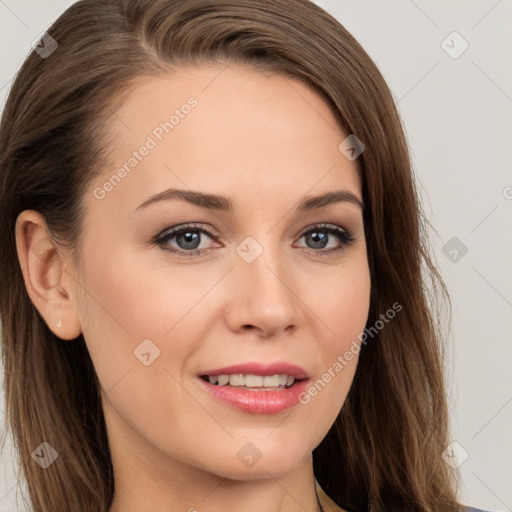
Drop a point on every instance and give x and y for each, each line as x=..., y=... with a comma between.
x=275, y=462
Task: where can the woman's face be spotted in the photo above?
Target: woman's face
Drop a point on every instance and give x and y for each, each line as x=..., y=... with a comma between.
x=259, y=282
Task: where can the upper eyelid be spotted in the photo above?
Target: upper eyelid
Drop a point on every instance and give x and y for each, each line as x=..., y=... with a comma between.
x=192, y=227
x=214, y=232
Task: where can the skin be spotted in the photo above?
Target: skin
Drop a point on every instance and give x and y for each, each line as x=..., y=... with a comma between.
x=266, y=141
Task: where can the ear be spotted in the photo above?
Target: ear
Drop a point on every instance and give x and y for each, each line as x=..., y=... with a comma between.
x=49, y=284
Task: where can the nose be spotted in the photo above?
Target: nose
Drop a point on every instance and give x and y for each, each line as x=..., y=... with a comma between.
x=262, y=296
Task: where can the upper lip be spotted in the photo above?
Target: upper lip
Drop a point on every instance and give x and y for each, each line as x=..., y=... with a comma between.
x=263, y=369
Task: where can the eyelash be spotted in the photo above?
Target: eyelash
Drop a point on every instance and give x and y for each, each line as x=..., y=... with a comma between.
x=345, y=237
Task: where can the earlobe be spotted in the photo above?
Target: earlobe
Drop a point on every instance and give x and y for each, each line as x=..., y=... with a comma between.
x=47, y=282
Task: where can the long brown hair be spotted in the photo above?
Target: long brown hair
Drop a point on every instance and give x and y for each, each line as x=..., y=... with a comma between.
x=384, y=451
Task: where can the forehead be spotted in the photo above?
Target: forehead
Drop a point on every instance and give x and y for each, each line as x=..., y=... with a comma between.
x=208, y=127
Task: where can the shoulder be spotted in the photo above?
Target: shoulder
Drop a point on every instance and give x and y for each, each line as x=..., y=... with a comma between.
x=328, y=504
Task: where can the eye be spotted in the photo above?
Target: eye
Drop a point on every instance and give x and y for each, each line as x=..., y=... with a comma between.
x=188, y=239
x=319, y=236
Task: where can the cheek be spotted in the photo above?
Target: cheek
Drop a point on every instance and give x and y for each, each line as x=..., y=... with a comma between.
x=132, y=310
x=139, y=299
x=130, y=300
x=343, y=308
x=125, y=304
x=343, y=304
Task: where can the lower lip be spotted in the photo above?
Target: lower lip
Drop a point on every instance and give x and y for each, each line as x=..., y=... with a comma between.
x=257, y=402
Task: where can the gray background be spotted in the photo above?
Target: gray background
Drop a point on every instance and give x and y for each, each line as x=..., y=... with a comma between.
x=457, y=113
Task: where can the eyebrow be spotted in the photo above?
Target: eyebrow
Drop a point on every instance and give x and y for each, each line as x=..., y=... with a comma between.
x=221, y=203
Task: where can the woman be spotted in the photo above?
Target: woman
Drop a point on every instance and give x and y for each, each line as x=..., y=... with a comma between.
x=211, y=256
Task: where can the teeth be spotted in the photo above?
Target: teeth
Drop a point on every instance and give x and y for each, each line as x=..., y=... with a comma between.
x=223, y=380
x=270, y=381
x=252, y=381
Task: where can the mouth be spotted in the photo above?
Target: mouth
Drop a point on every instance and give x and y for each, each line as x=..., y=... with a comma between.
x=253, y=382
x=256, y=388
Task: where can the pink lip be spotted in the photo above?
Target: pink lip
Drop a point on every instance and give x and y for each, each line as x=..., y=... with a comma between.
x=257, y=402
x=260, y=369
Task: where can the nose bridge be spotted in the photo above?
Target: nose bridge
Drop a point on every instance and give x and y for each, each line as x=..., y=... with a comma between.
x=263, y=258
x=262, y=290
